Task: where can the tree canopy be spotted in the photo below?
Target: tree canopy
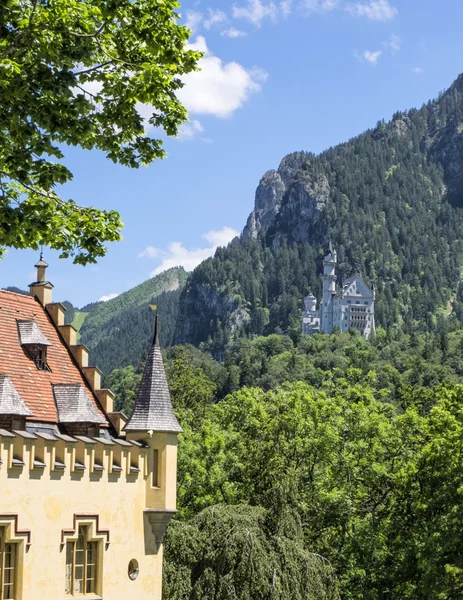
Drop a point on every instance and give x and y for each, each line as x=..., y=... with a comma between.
x=74, y=72
x=332, y=456
x=372, y=490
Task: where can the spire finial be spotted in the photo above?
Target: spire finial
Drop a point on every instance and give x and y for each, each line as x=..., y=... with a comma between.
x=154, y=307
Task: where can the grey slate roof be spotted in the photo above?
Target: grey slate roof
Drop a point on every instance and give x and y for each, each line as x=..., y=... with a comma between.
x=74, y=404
x=11, y=402
x=346, y=283
x=29, y=333
x=153, y=407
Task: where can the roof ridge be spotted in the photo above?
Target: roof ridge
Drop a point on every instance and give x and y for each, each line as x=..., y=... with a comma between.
x=2, y=291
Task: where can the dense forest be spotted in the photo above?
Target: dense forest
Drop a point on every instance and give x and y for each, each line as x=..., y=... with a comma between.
x=390, y=201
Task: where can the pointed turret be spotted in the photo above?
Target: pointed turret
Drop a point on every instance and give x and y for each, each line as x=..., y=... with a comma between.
x=153, y=410
x=153, y=424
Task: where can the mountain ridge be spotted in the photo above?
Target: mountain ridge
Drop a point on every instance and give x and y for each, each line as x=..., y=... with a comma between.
x=118, y=331
x=389, y=199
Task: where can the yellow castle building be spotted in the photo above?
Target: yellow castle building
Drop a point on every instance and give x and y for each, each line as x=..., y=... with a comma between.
x=85, y=495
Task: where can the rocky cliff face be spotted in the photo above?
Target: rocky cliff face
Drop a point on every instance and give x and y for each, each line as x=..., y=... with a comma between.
x=446, y=140
x=215, y=305
x=269, y=195
x=292, y=193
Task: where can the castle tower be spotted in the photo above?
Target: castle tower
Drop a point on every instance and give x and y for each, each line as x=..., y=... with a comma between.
x=310, y=303
x=154, y=424
x=310, y=316
x=329, y=289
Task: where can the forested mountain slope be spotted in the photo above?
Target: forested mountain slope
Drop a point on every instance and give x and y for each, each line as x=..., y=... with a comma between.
x=391, y=202
x=118, y=331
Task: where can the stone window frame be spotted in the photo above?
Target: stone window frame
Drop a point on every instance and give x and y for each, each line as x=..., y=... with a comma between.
x=101, y=537
x=21, y=539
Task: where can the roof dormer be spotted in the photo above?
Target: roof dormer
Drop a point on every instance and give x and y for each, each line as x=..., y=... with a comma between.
x=34, y=343
x=11, y=402
x=75, y=405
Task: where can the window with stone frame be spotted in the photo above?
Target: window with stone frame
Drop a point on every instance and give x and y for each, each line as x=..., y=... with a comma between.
x=82, y=568
x=8, y=567
x=38, y=354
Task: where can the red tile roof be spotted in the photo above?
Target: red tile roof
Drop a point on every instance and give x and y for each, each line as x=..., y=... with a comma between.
x=35, y=386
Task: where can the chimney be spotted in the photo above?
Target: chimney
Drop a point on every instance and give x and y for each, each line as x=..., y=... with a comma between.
x=41, y=289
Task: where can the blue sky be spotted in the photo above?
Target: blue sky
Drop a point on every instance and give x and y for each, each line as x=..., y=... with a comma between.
x=277, y=76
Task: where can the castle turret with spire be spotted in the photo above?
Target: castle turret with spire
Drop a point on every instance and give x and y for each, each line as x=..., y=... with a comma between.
x=350, y=306
x=154, y=423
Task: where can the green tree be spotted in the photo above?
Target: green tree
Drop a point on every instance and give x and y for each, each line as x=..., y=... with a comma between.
x=124, y=382
x=189, y=386
x=231, y=553
x=72, y=73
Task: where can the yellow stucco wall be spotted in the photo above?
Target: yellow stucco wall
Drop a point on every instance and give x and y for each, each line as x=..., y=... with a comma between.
x=45, y=501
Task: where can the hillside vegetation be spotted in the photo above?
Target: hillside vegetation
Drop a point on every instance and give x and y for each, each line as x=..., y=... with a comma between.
x=118, y=331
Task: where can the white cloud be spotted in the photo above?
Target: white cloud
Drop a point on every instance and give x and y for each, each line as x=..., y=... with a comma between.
x=193, y=20
x=220, y=237
x=418, y=70
x=375, y=10
x=91, y=87
x=319, y=5
x=372, y=57
x=233, y=32
x=177, y=255
x=145, y=111
x=286, y=7
x=150, y=252
x=219, y=88
x=189, y=130
x=108, y=297
x=394, y=44
x=215, y=17
x=256, y=11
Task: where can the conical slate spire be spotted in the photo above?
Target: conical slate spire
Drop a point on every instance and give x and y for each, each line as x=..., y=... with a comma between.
x=153, y=407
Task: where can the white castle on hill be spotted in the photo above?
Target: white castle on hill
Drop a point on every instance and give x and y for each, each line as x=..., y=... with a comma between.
x=351, y=306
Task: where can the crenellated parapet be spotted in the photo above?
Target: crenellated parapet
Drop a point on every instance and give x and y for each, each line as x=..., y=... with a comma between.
x=32, y=454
